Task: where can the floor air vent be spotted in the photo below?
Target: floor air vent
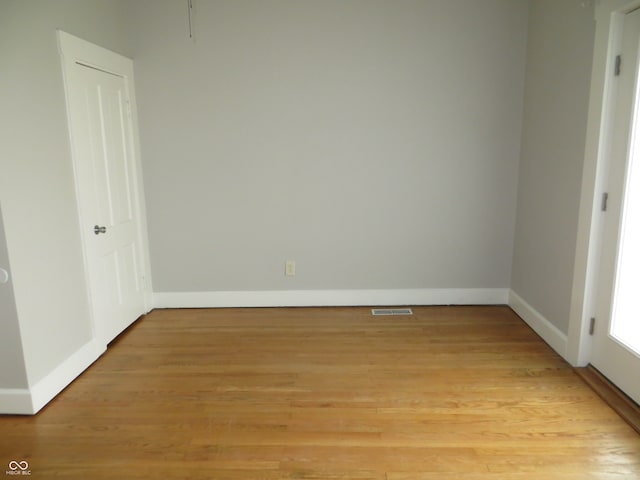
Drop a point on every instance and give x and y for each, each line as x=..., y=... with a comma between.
x=392, y=311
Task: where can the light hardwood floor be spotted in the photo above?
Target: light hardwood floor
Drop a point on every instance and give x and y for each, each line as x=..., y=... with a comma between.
x=331, y=393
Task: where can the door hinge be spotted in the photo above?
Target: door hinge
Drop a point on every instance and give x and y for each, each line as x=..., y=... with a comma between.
x=618, y=65
x=605, y=201
x=592, y=325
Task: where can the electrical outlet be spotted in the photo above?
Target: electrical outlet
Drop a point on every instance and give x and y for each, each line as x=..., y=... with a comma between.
x=290, y=268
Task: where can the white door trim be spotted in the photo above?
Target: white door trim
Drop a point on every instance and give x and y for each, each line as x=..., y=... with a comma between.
x=609, y=17
x=74, y=50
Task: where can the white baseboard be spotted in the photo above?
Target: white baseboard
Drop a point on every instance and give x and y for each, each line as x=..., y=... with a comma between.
x=29, y=401
x=543, y=327
x=326, y=298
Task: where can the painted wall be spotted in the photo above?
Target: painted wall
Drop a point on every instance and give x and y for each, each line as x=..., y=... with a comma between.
x=36, y=177
x=375, y=143
x=559, y=55
x=12, y=371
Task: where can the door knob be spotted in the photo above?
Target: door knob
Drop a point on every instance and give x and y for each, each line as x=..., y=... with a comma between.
x=98, y=229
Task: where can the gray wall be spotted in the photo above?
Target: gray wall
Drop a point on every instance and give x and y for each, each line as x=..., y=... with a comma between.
x=559, y=55
x=375, y=143
x=12, y=371
x=36, y=178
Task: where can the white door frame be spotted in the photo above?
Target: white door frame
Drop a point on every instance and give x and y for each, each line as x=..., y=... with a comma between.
x=74, y=50
x=609, y=16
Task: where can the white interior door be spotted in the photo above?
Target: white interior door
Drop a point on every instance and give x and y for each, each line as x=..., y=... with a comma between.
x=100, y=122
x=616, y=348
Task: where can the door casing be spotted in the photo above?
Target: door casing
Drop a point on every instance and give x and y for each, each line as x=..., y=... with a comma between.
x=73, y=51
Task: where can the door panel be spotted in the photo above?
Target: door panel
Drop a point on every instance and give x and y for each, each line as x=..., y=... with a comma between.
x=117, y=166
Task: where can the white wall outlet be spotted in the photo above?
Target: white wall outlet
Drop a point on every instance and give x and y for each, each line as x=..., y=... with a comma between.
x=290, y=268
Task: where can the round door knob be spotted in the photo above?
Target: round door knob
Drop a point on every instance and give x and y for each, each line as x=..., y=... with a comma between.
x=98, y=229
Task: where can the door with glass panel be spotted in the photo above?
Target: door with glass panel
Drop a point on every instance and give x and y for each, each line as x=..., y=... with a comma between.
x=616, y=348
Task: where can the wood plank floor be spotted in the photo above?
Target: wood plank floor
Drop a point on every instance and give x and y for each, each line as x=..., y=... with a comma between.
x=332, y=393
